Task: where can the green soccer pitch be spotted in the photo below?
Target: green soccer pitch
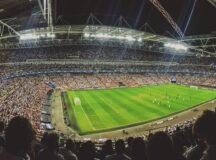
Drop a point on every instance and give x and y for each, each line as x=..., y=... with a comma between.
x=98, y=110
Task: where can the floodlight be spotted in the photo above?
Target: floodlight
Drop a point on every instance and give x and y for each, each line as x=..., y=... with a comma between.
x=176, y=46
x=139, y=39
x=50, y=35
x=86, y=35
x=42, y=35
x=114, y=37
x=100, y=35
x=29, y=36
x=120, y=37
x=107, y=36
x=130, y=38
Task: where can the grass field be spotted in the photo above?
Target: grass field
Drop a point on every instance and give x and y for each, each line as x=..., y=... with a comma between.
x=108, y=109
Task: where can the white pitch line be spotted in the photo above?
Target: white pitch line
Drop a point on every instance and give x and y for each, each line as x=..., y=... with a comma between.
x=89, y=121
x=87, y=117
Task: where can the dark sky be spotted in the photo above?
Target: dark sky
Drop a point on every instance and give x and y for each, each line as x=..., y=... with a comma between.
x=138, y=12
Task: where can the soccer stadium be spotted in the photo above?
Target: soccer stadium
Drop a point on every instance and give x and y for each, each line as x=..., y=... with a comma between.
x=108, y=80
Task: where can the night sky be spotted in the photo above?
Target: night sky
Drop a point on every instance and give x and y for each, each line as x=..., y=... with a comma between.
x=138, y=12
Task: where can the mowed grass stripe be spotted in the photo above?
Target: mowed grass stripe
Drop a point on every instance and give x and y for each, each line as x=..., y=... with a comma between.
x=86, y=101
x=128, y=111
x=83, y=121
x=147, y=108
x=117, y=108
x=193, y=96
x=123, y=105
x=189, y=96
x=108, y=114
x=178, y=103
x=161, y=100
x=145, y=99
x=111, y=108
x=158, y=93
x=201, y=92
x=137, y=107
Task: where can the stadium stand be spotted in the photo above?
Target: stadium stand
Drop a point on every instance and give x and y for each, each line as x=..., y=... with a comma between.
x=41, y=56
x=68, y=53
x=186, y=141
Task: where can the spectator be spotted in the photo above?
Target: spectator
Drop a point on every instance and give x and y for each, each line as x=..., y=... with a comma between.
x=19, y=138
x=138, y=149
x=51, y=150
x=129, y=146
x=43, y=139
x=107, y=149
x=119, y=149
x=160, y=147
x=195, y=152
x=205, y=129
x=2, y=139
x=68, y=151
x=87, y=151
x=178, y=143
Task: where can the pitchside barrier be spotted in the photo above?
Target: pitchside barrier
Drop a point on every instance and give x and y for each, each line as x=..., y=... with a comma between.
x=70, y=110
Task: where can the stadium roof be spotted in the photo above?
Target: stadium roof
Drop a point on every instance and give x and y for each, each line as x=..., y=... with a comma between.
x=192, y=16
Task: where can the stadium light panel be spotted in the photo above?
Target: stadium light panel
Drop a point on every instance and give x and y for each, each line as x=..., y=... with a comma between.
x=86, y=35
x=115, y=37
x=139, y=39
x=29, y=36
x=120, y=37
x=130, y=38
x=176, y=46
x=101, y=35
x=50, y=35
x=33, y=36
x=43, y=36
x=108, y=36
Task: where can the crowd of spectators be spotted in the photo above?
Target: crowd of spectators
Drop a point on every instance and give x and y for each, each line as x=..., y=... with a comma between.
x=97, y=53
x=46, y=67
x=22, y=96
x=194, y=142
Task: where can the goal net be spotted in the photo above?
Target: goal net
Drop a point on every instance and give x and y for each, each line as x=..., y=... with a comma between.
x=77, y=101
x=195, y=87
